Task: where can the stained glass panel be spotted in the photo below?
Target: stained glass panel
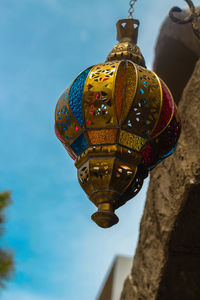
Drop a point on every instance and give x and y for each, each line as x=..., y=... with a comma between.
x=79, y=145
x=131, y=140
x=75, y=95
x=167, y=111
x=106, y=136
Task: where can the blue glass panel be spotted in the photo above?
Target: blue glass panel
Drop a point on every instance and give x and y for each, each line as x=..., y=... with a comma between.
x=145, y=84
x=75, y=95
x=141, y=91
x=79, y=145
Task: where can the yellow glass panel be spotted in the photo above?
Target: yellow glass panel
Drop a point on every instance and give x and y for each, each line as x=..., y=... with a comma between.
x=145, y=111
x=130, y=89
x=120, y=85
x=98, y=97
x=131, y=140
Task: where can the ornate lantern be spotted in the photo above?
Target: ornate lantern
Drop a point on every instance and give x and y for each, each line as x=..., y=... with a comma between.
x=117, y=120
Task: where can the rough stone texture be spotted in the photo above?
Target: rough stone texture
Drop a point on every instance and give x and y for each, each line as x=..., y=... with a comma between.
x=167, y=260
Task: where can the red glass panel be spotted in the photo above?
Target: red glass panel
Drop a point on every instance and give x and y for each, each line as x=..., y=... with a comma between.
x=167, y=111
x=168, y=139
x=70, y=152
x=149, y=155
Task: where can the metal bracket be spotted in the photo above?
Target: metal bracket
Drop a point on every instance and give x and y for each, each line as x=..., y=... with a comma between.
x=193, y=17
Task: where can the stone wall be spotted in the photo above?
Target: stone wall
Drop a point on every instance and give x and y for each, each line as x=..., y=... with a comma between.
x=167, y=260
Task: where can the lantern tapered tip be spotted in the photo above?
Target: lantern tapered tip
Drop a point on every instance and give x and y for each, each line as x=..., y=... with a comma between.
x=105, y=217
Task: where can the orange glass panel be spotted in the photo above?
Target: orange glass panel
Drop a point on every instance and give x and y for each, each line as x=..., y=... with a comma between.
x=105, y=136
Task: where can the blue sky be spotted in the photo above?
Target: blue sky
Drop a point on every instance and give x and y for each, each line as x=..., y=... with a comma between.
x=60, y=253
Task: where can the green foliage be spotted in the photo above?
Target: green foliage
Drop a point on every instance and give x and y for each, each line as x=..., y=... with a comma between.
x=6, y=257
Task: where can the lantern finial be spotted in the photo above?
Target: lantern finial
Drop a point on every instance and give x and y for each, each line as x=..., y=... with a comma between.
x=127, y=30
x=127, y=34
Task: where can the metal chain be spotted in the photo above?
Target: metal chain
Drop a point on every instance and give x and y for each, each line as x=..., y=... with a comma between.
x=131, y=9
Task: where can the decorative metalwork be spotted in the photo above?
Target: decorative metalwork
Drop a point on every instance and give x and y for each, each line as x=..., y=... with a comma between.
x=127, y=34
x=98, y=98
x=145, y=111
x=117, y=121
x=103, y=136
x=131, y=83
x=193, y=17
x=131, y=140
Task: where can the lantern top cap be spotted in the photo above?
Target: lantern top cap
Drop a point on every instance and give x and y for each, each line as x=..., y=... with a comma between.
x=127, y=34
x=127, y=30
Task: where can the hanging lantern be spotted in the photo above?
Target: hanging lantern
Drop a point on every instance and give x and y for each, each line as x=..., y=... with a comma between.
x=117, y=120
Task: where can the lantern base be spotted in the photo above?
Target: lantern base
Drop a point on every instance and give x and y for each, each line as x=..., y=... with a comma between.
x=105, y=217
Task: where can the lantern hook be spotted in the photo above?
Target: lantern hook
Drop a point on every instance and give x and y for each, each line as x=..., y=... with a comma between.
x=193, y=17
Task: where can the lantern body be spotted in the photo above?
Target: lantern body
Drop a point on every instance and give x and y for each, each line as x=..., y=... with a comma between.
x=115, y=117
x=117, y=120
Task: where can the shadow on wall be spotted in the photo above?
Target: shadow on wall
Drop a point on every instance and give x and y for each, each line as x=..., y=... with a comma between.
x=183, y=264
x=176, y=53
x=175, y=67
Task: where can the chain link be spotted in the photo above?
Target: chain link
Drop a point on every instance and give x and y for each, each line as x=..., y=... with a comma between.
x=131, y=9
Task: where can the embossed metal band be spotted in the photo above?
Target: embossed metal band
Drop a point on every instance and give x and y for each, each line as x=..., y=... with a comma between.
x=131, y=81
x=98, y=97
x=146, y=108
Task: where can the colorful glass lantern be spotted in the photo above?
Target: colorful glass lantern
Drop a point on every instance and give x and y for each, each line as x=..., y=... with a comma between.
x=117, y=120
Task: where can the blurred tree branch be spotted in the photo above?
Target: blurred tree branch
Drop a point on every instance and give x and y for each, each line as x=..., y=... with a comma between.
x=6, y=257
